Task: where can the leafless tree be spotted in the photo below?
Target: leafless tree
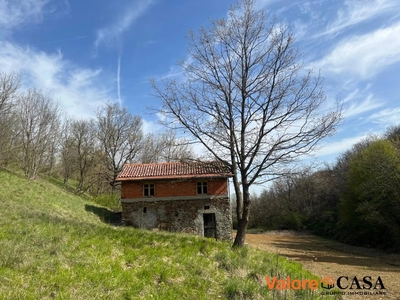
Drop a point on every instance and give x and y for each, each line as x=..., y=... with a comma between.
x=99, y=184
x=165, y=147
x=67, y=153
x=9, y=87
x=120, y=135
x=174, y=148
x=150, y=149
x=38, y=118
x=248, y=100
x=83, y=143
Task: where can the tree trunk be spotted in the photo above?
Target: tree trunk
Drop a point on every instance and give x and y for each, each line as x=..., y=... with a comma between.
x=243, y=218
x=241, y=233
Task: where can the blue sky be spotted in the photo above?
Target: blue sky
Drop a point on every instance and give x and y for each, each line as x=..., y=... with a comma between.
x=86, y=53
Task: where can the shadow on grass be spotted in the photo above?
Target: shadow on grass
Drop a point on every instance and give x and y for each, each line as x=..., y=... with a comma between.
x=105, y=215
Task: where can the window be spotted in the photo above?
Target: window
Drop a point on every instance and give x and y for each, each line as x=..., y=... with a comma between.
x=202, y=188
x=148, y=189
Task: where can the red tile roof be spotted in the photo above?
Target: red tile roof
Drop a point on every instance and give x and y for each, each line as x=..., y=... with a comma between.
x=171, y=170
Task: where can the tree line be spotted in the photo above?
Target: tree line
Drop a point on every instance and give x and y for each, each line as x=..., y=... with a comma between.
x=37, y=138
x=355, y=200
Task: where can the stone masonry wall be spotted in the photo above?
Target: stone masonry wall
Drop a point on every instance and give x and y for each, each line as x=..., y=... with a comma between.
x=179, y=215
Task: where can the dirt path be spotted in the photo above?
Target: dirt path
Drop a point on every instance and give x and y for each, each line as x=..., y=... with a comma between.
x=329, y=258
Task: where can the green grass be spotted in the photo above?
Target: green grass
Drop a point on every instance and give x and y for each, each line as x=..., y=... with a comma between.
x=53, y=245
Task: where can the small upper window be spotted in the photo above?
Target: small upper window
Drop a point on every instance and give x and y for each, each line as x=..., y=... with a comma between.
x=202, y=188
x=148, y=189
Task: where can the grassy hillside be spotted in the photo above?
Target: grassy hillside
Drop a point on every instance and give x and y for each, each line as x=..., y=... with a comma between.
x=53, y=245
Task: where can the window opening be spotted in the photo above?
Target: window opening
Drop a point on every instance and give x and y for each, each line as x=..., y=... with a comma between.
x=202, y=188
x=148, y=189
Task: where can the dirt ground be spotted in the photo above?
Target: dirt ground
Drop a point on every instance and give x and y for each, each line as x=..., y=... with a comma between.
x=330, y=258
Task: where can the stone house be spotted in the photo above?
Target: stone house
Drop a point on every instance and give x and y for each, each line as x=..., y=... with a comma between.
x=188, y=197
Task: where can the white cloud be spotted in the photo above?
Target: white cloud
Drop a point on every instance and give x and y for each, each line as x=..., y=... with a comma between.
x=360, y=107
x=364, y=55
x=80, y=91
x=337, y=147
x=356, y=12
x=174, y=72
x=131, y=14
x=386, y=117
x=151, y=126
x=18, y=12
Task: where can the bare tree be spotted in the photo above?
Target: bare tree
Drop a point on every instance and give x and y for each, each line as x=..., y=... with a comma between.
x=83, y=143
x=165, y=147
x=174, y=148
x=38, y=118
x=9, y=86
x=67, y=153
x=248, y=100
x=120, y=135
x=150, y=149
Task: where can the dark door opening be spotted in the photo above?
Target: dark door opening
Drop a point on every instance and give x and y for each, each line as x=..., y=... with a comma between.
x=209, y=226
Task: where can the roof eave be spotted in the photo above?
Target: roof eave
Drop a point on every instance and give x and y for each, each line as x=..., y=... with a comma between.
x=173, y=177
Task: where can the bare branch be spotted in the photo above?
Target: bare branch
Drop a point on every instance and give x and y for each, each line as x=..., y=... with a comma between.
x=248, y=99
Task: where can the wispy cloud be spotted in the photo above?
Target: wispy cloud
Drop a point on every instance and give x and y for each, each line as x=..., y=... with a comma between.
x=119, y=80
x=80, y=90
x=340, y=146
x=364, y=55
x=151, y=126
x=174, y=72
x=123, y=22
x=359, y=107
x=112, y=34
x=386, y=117
x=356, y=12
x=19, y=12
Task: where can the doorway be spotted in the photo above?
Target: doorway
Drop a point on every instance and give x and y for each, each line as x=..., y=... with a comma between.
x=209, y=226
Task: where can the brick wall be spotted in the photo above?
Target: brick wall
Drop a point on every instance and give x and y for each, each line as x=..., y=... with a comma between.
x=172, y=188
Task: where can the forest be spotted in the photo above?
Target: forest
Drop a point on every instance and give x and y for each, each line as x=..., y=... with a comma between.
x=356, y=199
x=39, y=139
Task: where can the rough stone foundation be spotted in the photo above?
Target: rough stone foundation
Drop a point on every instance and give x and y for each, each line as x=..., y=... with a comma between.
x=179, y=215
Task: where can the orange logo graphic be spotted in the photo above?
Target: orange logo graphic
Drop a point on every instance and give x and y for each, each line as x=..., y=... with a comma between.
x=288, y=283
x=328, y=283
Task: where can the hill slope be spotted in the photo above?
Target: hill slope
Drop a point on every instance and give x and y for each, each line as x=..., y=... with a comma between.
x=54, y=245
